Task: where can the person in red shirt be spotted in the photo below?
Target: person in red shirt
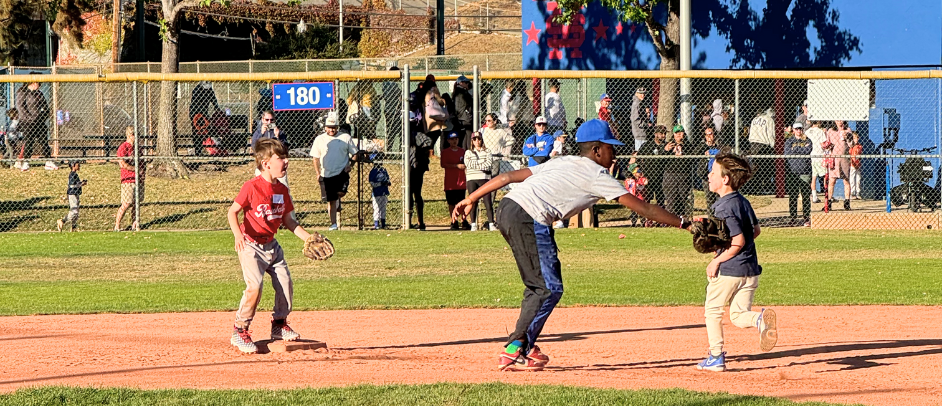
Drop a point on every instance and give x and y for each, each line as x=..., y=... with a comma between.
x=455, y=181
x=265, y=204
x=129, y=178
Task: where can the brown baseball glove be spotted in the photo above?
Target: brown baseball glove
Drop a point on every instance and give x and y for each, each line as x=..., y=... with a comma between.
x=710, y=234
x=318, y=247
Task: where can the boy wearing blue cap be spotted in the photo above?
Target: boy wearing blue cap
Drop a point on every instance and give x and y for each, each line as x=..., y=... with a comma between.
x=555, y=190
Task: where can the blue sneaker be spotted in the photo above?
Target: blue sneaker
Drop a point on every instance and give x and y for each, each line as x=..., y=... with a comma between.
x=768, y=329
x=715, y=364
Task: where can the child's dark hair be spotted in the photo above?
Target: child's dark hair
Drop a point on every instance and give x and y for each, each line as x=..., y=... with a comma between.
x=735, y=167
x=12, y=114
x=266, y=148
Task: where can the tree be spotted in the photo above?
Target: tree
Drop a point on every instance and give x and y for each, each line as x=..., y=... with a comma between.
x=16, y=23
x=170, y=63
x=777, y=40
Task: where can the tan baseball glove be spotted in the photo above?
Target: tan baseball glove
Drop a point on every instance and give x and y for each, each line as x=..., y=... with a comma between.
x=317, y=247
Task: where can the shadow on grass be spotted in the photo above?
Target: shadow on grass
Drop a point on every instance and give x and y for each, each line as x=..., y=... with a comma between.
x=14, y=222
x=173, y=218
x=25, y=204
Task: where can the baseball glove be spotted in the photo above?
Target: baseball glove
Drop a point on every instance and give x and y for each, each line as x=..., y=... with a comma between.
x=710, y=234
x=318, y=247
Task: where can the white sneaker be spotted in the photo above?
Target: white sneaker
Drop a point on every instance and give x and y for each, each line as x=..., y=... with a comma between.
x=16, y=165
x=333, y=227
x=492, y=226
x=51, y=166
x=474, y=226
x=558, y=224
x=24, y=166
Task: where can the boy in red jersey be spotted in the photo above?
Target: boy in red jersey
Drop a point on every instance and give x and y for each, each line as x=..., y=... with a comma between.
x=266, y=205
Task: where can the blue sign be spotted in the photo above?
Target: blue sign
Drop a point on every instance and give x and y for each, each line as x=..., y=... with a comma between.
x=303, y=96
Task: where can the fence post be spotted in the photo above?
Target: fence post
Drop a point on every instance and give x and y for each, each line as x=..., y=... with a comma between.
x=55, y=112
x=737, y=107
x=137, y=164
x=477, y=98
x=406, y=168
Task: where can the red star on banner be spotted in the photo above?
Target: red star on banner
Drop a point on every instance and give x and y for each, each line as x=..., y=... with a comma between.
x=600, y=31
x=619, y=28
x=533, y=34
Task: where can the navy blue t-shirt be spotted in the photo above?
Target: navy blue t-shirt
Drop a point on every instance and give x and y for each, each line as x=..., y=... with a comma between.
x=741, y=219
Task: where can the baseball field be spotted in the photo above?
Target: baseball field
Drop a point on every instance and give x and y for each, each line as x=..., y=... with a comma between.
x=418, y=318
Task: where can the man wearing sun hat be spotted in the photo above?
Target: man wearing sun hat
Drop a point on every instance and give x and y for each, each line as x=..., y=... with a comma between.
x=556, y=190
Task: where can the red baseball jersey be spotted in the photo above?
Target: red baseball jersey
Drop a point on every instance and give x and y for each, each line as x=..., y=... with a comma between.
x=263, y=206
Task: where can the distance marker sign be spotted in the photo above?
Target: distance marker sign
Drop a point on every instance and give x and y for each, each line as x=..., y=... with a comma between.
x=303, y=96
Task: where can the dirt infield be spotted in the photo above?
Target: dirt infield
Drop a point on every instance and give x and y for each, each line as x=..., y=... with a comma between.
x=871, y=355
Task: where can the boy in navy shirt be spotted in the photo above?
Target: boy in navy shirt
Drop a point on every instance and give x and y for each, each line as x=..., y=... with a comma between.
x=733, y=273
x=74, y=191
x=379, y=180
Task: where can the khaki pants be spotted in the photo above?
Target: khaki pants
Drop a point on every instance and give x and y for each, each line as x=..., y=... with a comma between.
x=256, y=261
x=738, y=292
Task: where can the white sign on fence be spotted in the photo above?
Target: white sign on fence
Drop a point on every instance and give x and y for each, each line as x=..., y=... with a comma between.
x=839, y=99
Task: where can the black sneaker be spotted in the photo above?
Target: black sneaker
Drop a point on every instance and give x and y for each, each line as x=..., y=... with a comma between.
x=465, y=225
x=421, y=226
x=846, y=204
x=454, y=225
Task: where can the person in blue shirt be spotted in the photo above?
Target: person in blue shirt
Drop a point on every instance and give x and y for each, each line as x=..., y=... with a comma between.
x=538, y=146
x=73, y=191
x=379, y=180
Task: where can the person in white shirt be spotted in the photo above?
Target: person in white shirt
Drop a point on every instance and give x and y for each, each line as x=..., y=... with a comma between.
x=762, y=142
x=506, y=97
x=478, y=168
x=555, y=190
x=555, y=111
x=331, y=153
x=817, y=137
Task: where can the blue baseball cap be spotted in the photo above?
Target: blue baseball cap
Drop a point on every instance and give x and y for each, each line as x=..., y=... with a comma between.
x=604, y=96
x=558, y=133
x=596, y=130
x=452, y=135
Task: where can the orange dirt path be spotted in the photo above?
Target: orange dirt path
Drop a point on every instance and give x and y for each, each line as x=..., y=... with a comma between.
x=878, y=355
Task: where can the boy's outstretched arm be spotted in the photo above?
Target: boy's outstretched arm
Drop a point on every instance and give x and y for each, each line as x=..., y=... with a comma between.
x=463, y=208
x=651, y=211
x=292, y=225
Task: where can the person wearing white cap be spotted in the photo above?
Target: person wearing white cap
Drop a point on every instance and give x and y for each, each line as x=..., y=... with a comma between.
x=331, y=154
x=798, y=178
x=538, y=146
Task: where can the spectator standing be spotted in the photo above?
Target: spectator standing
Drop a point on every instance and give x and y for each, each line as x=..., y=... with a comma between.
x=538, y=146
x=710, y=147
x=521, y=112
x=392, y=106
x=33, y=113
x=420, y=148
x=840, y=169
x=479, y=163
x=12, y=140
x=855, y=150
x=73, y=191
x=676, y=180
x=803, y=117
x=652, y=167
x=202, y=97
x=129, y=178
x=798, y=180
x=436, y=115
x=463, y=115
x=559, y=145
x=331, y=154
x=762, y=142
x=268, y=129
x=455, y=181
x=717, y=116
x=817, y=137
x=499, y=143
x=637, y=118
x=379, y=181
x=555, y=111
x=506, y=99
x=360, y=114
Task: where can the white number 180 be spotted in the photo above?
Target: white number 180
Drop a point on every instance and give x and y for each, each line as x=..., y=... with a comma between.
x=304, y=95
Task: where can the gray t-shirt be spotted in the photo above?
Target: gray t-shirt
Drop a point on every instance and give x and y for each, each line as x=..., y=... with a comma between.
x=563, y=187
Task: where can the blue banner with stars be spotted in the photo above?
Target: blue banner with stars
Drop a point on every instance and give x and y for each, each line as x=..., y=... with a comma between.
x=595, y=40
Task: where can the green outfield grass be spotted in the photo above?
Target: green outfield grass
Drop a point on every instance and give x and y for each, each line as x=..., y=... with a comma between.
x=436, y=394
x=68, y=273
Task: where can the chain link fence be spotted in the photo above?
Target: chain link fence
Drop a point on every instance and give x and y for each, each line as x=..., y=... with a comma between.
x=870, y=144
